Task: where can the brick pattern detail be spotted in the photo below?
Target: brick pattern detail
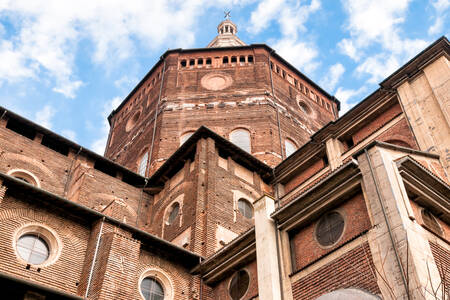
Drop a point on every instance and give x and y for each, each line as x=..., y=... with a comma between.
x=65, y=272
x=308, y=250
x=353, y=269
x=182, y=281
x=442, y=260
x=377, y=123
x=2, y=191
x=186, y=105
x=306, y=173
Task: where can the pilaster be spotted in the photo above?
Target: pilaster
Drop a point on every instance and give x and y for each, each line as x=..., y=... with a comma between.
x=266, y=250
x=402, y=256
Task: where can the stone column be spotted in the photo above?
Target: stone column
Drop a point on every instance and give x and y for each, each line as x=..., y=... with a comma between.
x=266, y=250
x=334, y=153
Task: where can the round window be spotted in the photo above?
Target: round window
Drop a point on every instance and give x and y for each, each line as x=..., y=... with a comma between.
x=329, y=229
x=239, y=285
x=304, y=107
x=174, y=210
x=32, y=249
x=152, y=289
x=245, y=208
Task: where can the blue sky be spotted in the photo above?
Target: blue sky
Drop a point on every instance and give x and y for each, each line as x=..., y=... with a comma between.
x=67, y=64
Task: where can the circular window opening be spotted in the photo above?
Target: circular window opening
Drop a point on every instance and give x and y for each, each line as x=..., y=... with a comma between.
x=245, y=208
x=174, y=210
x=430, y=222
x=304, y=107
x=239, y=285
x=152, y=289
x=329, y=229
x=132, y=121
x=37, y=245
x=32, y=249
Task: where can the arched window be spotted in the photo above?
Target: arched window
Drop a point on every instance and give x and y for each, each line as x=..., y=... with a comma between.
x=241, y=138
x=151, y=289
x=173, y=214
x=185, y=136
x=245, y=208
x=143, y=164
x=290, y=147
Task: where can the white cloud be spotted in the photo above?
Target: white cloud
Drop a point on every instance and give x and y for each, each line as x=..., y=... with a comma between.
x=291, y=17
x=301, y=54
x=440, y=7
x=125, y=82
x=378, y=24
x=68, y=88
x=44, y=116
x=333, y=76
x=346, y=95
x=50, y=31
x=100, y=143
x=347, y=47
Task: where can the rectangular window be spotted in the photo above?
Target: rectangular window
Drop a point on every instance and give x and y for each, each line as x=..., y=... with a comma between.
x=143, y=164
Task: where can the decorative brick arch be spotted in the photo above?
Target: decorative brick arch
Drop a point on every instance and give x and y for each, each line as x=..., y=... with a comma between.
x=46, y=172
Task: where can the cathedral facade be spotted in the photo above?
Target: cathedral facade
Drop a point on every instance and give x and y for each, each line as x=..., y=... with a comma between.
x=228, y=174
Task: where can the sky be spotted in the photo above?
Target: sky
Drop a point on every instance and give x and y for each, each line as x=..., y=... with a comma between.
x=67, y=64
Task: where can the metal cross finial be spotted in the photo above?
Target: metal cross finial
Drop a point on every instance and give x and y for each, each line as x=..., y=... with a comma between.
x=227, y=15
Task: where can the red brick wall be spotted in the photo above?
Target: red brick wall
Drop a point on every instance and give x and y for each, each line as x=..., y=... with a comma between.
x=186, y=105
x=19, y=152
x=354, y=269
x=305, y=174
x=442, y=260
x=376, y=123
x=220, y=291
x=307, y=249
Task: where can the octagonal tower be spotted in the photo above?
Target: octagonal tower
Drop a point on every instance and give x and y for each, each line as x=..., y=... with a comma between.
x=246, y=93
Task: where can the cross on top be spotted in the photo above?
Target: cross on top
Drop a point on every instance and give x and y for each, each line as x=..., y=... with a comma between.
x=227, y=15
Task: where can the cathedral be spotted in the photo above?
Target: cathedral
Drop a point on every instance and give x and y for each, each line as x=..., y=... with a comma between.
x=228, y=174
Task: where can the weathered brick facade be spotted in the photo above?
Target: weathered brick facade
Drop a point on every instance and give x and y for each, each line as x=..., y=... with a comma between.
x=206, y=208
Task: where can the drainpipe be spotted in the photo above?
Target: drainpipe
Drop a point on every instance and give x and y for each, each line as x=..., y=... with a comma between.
x=388, y=225
x=276, y=107
x=277, y=237
x=4, y=113
x=156, y=113
x=140, y=203
x=95, y=257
